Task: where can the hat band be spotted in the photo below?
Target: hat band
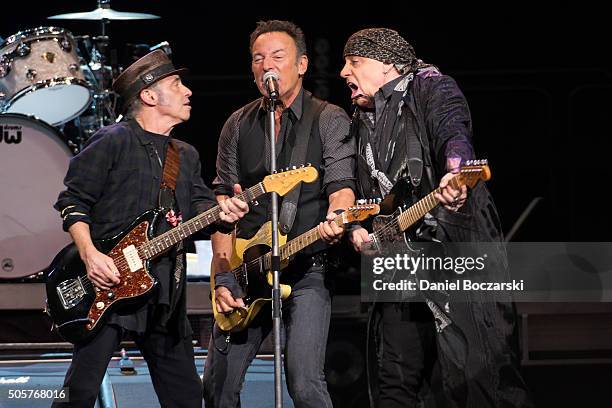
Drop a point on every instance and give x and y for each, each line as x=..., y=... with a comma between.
x=148, y=79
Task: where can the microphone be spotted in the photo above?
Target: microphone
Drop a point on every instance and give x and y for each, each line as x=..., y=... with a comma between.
x=270, y=80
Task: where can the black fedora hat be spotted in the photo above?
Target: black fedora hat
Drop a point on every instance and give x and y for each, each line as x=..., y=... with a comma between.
x=143, y=73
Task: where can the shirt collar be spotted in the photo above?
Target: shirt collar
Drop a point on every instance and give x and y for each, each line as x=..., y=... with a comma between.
x=140, y=133
x=381, y=98
x=297, y=107
x=387, y=89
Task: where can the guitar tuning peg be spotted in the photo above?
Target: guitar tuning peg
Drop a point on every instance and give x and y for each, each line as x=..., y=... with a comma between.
x=308, y=164
x=293, y=167
x=302, y=166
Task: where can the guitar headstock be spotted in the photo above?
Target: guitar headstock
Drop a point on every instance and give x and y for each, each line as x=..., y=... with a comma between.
x=283, y=182
x=360, y=212
x=474, y=171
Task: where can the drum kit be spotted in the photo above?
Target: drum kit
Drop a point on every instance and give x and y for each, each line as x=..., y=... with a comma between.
x=55, y=92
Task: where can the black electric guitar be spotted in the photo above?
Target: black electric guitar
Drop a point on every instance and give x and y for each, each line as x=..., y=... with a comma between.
x=392, y=228
x=251, y=266
x=78, y=309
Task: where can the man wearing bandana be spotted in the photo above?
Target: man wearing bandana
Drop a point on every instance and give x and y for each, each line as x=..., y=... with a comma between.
x=412, y=122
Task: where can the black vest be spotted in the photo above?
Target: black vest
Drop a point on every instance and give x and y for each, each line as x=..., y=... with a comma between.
x=313, y=202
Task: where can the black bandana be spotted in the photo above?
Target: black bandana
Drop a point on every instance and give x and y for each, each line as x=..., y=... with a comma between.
x=381, y=44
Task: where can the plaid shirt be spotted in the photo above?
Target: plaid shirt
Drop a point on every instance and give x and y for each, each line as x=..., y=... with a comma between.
x=116, y=177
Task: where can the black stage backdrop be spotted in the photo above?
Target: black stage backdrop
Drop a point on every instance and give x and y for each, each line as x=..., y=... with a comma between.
x=538, y=82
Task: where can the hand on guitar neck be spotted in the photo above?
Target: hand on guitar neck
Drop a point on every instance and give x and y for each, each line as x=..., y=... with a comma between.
x=233, y=208
x=338, y=201
x=330, y=232
x=451, y=193
x=451, y=198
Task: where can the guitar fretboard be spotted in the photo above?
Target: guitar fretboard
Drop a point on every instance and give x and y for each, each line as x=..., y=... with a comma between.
x=290, y=248
x=163, y=242
x=418, y=210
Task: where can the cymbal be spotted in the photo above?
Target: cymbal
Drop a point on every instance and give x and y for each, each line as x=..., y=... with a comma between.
x=104, y=14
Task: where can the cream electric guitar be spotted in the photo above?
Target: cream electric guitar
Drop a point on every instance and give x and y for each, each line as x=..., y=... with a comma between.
x=251, y=266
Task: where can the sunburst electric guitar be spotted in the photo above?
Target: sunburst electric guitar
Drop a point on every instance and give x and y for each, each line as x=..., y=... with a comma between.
x=78, y=309
x=251, y=266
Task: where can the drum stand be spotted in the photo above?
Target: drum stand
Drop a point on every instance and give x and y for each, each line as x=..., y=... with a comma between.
x=101, y=77
x=102, y=107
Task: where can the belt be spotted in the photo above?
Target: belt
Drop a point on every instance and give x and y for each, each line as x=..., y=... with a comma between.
x=303, y=261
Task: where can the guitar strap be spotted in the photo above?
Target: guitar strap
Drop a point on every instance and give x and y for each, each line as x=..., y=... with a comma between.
x=303, y=129
x=171, y=167
x=167, y=199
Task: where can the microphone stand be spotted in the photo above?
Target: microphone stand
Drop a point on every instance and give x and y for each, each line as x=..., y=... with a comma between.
x=275, y=264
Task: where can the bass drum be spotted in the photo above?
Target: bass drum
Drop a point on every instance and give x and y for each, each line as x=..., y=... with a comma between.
x=34, y=161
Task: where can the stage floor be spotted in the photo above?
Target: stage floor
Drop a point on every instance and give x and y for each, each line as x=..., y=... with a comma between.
x=130, y=390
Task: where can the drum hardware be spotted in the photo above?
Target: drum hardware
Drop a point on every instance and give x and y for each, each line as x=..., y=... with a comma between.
x=97, y=70
x=31, y=74
x=104, y=12
x=164, y=45
x=105, y=15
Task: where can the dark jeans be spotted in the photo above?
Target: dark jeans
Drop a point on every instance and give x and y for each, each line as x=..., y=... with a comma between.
x=408, y=353
x=306, y=315
x=171, y=364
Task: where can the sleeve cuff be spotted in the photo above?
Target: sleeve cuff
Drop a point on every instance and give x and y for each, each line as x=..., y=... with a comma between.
x=224, y=189
x=339, y=185
x=222, y=227
x=228, y=280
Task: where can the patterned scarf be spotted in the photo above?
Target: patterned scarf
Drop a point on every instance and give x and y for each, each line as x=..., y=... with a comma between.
x=386, y=45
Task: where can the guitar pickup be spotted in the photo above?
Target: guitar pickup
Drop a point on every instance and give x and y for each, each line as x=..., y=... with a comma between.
x=133, y=259
x=70, y=292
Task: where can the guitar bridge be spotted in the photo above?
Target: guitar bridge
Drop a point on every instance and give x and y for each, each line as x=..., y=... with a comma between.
x=70, y=292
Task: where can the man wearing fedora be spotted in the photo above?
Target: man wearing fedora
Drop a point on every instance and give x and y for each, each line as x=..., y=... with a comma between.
x=115, y=178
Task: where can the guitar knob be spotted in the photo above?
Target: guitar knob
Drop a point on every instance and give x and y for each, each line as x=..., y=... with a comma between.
x=100, y=305
x=111, y=295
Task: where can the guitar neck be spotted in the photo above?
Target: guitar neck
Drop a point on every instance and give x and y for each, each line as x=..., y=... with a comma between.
x=417, y=211
x=298, y=243
x=163, y=242
x=289, y=249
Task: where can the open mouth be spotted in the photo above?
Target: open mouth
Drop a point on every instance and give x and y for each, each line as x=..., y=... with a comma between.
x=355, y=91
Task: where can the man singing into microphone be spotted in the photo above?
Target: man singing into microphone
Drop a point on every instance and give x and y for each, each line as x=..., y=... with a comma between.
x=308, y=130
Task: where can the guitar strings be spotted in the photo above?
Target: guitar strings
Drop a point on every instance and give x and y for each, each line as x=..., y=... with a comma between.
x=150, y=246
